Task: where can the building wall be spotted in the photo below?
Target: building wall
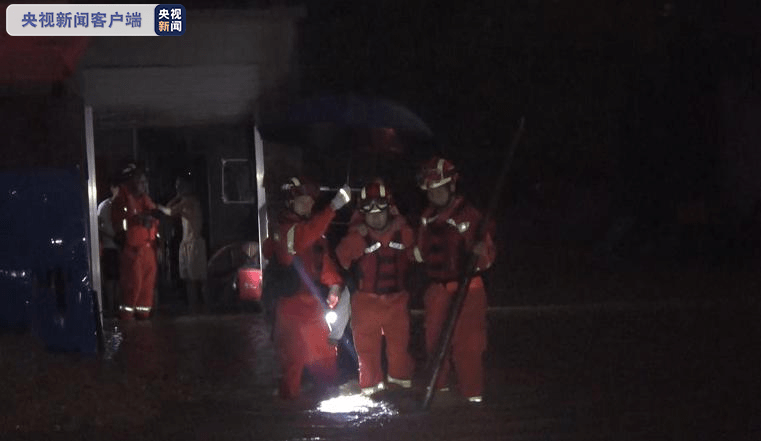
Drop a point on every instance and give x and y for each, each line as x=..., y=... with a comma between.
x=228, y=66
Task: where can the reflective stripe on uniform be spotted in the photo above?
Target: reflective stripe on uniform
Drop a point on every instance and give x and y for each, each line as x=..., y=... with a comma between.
x=126, y=308
x=290, y=239
x=396, y=245
x=461, y=227
x=372, y=389
x=403, y=383
x=373, y=247
x=418, y=256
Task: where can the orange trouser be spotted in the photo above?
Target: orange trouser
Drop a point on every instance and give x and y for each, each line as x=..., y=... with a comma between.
x=301, y=341
x=138, y=279
x=469, y=338
x=374, y=316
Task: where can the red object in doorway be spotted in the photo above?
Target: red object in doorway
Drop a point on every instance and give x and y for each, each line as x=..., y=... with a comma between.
x=250, y=284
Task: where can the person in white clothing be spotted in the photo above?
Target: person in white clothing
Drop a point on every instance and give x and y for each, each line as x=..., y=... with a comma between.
x=192, y=255
x=109, y=252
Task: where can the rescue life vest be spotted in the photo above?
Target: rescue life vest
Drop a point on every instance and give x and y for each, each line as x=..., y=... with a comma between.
x=442, y=244
x=132, y=208
x=382, y=268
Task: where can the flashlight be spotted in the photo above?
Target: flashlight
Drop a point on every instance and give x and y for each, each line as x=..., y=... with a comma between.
x=331, y=317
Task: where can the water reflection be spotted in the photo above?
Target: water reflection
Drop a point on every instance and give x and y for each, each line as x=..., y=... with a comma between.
x=356, y=408
x=114, y=339
x=228, y=359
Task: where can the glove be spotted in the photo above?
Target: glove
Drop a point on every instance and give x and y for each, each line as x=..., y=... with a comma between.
x=341, y=198
x=333, y=296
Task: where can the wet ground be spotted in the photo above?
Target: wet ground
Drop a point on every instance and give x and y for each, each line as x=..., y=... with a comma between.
x=666, y=371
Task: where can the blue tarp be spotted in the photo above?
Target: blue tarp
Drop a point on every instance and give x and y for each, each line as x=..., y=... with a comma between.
x=45, y=284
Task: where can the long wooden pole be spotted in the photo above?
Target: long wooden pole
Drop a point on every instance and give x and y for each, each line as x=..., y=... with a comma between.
x=445, y=338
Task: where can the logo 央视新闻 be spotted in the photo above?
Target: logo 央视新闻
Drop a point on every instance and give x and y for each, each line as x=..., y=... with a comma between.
x=170, y=20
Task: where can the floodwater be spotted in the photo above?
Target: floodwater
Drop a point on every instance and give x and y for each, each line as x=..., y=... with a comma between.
x=658, y=372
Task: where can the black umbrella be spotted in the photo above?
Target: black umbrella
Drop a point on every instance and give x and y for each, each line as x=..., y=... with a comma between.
x=372, y=136
x=312, y=121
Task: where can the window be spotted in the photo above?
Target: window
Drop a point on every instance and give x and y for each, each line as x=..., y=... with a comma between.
x=238, y=181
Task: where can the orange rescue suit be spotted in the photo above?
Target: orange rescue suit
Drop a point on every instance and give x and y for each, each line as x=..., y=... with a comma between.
x=444, y=239
x=301, y=333
x=138, y=257
x=379, y=306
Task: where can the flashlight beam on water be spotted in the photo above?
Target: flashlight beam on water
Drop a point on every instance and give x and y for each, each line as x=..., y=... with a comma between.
x=355, y=404
x=315, y=292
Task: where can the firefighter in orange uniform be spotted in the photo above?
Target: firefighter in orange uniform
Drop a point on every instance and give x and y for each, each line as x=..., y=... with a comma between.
x=300, y=331
x=377, y=248
x=132, y=214
x=445, y=238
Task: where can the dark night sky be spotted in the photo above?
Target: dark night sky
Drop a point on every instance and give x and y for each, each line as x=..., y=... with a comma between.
x=624, y=94
x=625, y=111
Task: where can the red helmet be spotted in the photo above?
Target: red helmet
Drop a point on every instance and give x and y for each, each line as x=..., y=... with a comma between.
x=300, y=186
x=436, y=172
x=374, y=197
